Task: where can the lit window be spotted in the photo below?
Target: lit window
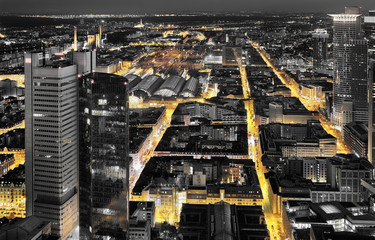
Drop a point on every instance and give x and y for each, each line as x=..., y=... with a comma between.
x=102, y=102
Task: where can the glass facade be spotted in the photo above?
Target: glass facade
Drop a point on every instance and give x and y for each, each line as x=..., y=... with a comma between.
x=371, y=122
x=104, y=164
x=51, y=143
x=350, y=70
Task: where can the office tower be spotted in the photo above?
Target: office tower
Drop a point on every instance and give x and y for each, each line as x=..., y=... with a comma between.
x=369, y=28
x=320, y=40
x=103, y=149
x=51, y=99
x=353, y=10
x=350, y=67
x=100, y=35
x=371, y=119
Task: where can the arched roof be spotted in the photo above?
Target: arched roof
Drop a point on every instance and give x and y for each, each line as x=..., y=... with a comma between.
x=133, y=80
x=171, y=87
x=190, y=88
x=148, y=85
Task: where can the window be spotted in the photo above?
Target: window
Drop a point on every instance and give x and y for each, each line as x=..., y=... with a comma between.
x=102, y=102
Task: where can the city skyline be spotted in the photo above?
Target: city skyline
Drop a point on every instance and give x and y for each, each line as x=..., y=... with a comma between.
x=169, y=6
x=196, y=125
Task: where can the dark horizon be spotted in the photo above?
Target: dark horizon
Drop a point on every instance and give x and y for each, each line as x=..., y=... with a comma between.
x=169, y=6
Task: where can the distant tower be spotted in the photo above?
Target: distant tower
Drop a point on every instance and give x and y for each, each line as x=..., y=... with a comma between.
x=100, y=34
x=97, y=40
x=350, y=67
x=140, y=25
x=369, y=27
x=75, y=39
x=51, y=118
x=91, y=42
x=320, y=43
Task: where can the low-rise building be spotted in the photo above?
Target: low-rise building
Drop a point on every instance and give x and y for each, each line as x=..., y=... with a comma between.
x=12, y=198
x=223, y=220
x=356, y=136
x=296, y=140
x=30, y=228
x=344, y=175
x=332, y=219
x=7, y=163
x=141, y=220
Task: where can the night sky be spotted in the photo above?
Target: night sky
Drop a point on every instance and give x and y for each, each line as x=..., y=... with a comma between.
x=162, y=6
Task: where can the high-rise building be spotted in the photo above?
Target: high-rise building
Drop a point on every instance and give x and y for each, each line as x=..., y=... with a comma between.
x=51, y=98
x=350, y=67
x=320, y=46
x=369, y=27
x=371, y=119
x=103, y=150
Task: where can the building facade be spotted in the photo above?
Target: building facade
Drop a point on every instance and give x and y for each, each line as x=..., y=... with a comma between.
x=52, y=139
x=350, y=68
x=371, y=119
x=356, y=136
x=12, y=199
x=320, y=45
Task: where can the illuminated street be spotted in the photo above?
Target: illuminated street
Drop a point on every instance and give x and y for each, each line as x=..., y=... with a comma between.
x=137, y=168
x=310, y=105
x=273, y=221
x=17, y=126
x=199, y=120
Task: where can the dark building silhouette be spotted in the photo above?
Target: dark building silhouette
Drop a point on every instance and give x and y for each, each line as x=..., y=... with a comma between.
x=103, y=154
x=222, y=221
x=371, y=119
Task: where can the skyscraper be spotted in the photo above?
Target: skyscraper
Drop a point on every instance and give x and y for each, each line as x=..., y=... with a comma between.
x=350, y=68
x=371, y=118
x=320, y=46
x=369, y=27
x=51, y=97
x=104, y=164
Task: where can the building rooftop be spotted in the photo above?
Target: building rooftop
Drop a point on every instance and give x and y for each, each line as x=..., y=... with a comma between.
x=24, y=229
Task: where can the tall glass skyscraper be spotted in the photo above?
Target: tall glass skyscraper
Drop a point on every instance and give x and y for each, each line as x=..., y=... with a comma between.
x=371, y=118
x=369, y=27
x=350, y=68
x=51, y=97
x=103, y=149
